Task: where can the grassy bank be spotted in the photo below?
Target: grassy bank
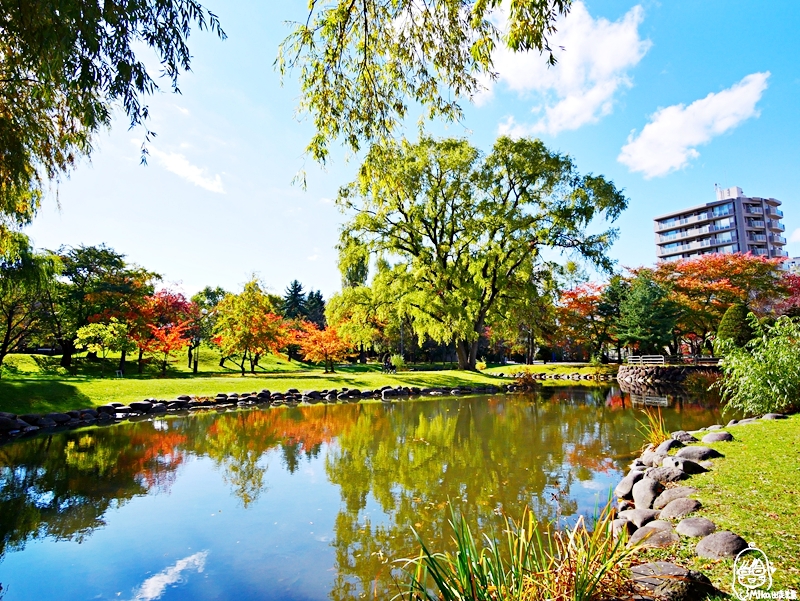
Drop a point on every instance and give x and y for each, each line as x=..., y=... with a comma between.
x=31, y=388
x=551, y=369
x=754, y=492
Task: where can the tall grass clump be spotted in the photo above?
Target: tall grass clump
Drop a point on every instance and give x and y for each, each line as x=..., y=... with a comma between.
x=653, y=428
x=533, y=563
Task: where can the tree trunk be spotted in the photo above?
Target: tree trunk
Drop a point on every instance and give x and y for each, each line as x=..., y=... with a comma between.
x=467, y=354
x=222, y=361
x=244, y=358
x=67, y=350
x=191, y=348
x=362, y=357
x=122, y=356
x=140, y=367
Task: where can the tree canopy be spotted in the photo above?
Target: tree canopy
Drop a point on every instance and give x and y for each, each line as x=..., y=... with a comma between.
x=462, y=233
x=362, y=63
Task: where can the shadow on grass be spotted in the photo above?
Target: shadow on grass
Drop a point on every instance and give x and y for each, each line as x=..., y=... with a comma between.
x=40, y=396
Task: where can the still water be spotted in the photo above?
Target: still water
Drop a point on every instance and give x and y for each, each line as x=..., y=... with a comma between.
x=307, y=502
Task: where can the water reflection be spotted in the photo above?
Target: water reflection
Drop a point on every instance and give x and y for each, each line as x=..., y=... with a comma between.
x=394, y=468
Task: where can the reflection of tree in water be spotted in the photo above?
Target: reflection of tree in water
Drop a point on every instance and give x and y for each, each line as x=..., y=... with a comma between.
x=60, y=486
x=488, y=457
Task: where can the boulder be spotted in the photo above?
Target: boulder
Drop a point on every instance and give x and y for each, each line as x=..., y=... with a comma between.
x=671, y=582
x=45, y=422
x=680, y=508
x=645, y=492
x=718, y=437
x=158, y=408
x=774, y=416
x=7, y=424
x=666, y=474
x=666, y=446
x=650, y=536
x=685, y=465
x=621, y=525
x=652, y=459
x=141, y=406
x=639, y=517
x=624, y=489
x=695, y=527
x=714, y=427
x=184, y=397
x=660, y=524
x=698, y=453
x=678, y=492
x=683, y=436
x=733, y=422
x=59, y=418
x=720, y=545
x=110, y=409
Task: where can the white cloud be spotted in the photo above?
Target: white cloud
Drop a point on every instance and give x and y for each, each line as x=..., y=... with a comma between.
x=183, y=111
x=153, y=588
x=668, y=141
x=180, y=166
x=325, y=200
x=594, y=57
x=313, y=257
x=795, y=237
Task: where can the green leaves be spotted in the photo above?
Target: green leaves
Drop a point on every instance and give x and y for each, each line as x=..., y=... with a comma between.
x=764, y=376
x=461, y=234
x=364, y=64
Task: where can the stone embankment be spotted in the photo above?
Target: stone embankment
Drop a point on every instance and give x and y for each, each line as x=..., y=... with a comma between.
x=573, y=376
x=13, y=425
x=655, y=509
x=658, y=374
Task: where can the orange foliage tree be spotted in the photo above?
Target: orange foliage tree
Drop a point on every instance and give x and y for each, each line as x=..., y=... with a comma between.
x=326, y=346
x=166, y=340
x=581, y=317
x=705, y=286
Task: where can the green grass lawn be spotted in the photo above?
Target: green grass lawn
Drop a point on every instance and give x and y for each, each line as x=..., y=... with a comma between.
x=753, y=491
x=36, y=384
x=553, y=369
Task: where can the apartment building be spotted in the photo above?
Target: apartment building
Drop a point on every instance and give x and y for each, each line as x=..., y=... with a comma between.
x=733, y=223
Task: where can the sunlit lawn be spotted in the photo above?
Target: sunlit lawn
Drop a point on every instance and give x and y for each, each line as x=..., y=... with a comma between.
x=37, y=384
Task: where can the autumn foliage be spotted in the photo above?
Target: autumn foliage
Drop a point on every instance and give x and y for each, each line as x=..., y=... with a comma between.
x=326, y=346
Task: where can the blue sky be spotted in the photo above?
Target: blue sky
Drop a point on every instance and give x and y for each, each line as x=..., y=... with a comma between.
x=664, y=98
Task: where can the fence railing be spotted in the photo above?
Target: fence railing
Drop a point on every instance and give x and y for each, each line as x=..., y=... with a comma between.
x=646, y=359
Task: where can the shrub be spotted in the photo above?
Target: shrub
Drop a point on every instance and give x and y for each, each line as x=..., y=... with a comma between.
x=735, y=326
x=534, y=562
x=764, y=376
x=480, y=365
x=398, y=362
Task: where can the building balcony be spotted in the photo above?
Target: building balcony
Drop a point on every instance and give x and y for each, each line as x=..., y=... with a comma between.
x=773, y=212
x=776, y=226
x=759, y=252
x=776, y=239
x=757, y=237
x=776, y=252
x=755, y=223
x=773, y=201
x=754, y=211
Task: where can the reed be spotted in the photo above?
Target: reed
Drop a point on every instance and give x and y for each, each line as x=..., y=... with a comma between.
x=653, y=429
x=532, y=563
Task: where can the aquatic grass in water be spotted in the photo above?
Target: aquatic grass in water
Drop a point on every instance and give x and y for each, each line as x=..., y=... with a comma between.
x=653, y=428
x=576, y=564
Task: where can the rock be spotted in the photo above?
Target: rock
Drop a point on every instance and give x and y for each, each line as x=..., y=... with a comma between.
x=7, y=424
x=718, y=437
x=749, y=420
x=666, y=474
x=645, y=492
x=698, y=453
x=666, y=446
x=110, y=409
x=158, y=408
x=670, y=582
x=660, y=524
x=774, y=416
x=639, y=517
x=141, y=406
x=622, y=505
x=45, y=422
x=680, y=508
x=720, y=545
x=686, y=465
x=714, y=427
x=671, y=494
x=59, y=418
x=8, y=415
x=184, y=397
x=696, y=527
x=621, y=525
x=733, y=422
x=652, y=459
x=683, y=436
x=624, y=489
x=650, y=536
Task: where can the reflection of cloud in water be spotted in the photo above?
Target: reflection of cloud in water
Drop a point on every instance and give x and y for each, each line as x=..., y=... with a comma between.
x=154, y=587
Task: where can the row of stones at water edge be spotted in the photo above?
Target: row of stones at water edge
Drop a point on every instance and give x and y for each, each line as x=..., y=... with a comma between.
x=572, y=376
x=13, y=425
x=658, y=374
x=655, y=508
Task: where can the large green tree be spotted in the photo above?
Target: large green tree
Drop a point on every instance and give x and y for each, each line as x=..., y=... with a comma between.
x=647, y=315
x=64, y=66
x=95, y=281
x=464, y=232
x=363, y=63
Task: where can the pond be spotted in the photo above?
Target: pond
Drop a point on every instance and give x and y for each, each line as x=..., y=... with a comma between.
x=307, y=502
